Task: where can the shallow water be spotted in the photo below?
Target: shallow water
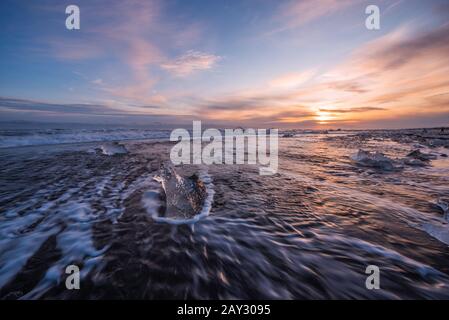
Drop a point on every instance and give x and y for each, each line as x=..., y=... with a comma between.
x=307, y=232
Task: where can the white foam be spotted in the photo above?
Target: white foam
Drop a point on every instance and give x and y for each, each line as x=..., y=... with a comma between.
x=76, y=244
x=69, y=217
x=111, y=149
x=51, y=137
x=434, y=226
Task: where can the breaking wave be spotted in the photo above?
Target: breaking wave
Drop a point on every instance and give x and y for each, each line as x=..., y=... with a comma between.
x=20, y=138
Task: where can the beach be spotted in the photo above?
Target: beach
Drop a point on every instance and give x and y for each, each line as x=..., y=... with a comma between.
x=307, y=232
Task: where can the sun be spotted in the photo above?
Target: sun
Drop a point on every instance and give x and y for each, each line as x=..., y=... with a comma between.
x=323, y=117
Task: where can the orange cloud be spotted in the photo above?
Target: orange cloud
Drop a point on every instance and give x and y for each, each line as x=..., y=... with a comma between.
x=401, y=71
x=397, y=78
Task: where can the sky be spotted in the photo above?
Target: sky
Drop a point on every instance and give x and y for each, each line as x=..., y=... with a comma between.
x=253, y=63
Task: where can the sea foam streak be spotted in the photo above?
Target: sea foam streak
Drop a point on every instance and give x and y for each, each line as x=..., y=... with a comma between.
x=19, y=138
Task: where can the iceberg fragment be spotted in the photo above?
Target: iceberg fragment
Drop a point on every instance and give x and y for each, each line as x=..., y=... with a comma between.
x=373, y=159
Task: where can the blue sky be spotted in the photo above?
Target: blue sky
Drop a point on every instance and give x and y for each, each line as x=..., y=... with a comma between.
x=252, y=62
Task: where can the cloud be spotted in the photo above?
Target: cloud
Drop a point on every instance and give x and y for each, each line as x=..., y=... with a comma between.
x=400, y=71
x=412, y=46
x=291, y=80
x=131, y=38
x=297, y=13
x=12, y=109
x=400, y=74
x=190, y=62
x=263, y=107
x=278, y=118
x=352, y=110
x=349, y=86
x=38, y=106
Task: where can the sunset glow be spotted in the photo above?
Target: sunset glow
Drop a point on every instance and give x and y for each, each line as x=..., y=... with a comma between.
x=270, y=63
x=224, y=155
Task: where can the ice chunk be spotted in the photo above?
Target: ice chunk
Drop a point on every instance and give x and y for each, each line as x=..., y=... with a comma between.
x=417, y=154
x=288, y=135
x=373, y=159
x=184, y=196
x=113, y=148
x=444, y=208
x=415, y=162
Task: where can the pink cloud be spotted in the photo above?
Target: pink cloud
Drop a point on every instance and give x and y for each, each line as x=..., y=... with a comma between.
x=297, y=13
x=190, y=62
x=129, y=32
x=398, y=76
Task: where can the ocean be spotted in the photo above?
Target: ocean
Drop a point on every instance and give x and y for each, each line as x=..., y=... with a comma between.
x=340, y=201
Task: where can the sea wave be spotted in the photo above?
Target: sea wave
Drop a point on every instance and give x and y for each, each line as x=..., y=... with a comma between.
x=21, y=138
